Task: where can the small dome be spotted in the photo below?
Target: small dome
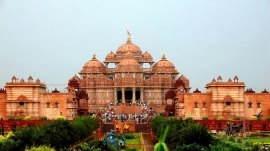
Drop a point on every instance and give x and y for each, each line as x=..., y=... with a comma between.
x=93, y=66
x=74, y=81
x=110, y=55
x=147, y=55
x=75, y=77
x=164, y=66
x=128, y=65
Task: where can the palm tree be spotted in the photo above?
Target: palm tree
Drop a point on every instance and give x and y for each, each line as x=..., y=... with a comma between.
x=161, y=145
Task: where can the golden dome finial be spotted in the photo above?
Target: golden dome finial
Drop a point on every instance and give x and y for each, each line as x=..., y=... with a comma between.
x=94, y=56
x=128, y=36
x=163, y=56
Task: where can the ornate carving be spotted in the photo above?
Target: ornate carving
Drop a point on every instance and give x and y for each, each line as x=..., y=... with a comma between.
x=22, y=98
x=250, y=90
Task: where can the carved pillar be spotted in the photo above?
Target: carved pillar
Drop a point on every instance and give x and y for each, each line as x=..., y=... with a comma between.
x=115, y=95
x=133, y=95
x=141, y=97
x=123, y=95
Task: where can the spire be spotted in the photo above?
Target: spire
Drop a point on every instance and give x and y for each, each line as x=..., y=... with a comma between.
x=128, y=36
x=163, y=57
x=94, y=57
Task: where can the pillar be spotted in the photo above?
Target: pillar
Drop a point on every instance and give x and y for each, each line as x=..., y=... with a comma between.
x=133, y=95
x=115, y=95
x=141, y=93
x=123, y=95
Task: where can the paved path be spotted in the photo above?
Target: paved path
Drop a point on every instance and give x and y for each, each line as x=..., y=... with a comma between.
x=148, y=142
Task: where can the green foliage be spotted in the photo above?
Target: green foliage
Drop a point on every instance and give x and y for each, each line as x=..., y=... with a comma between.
x=204, y=118
x=27, y=117
x=267, y=119
x=239, y=140
x=59, y=134
x=220, y=118
x=195, y=133
x=181, y=131
x=43, y=118
x=256, y=147
x=236, y=118
x=131, y=149
x=231, y=138
x=11, y=118
x=191, y=147
x=40, y=148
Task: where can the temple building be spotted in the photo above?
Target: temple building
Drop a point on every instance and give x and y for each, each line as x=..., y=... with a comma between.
x=222, y=100
x=127, y=78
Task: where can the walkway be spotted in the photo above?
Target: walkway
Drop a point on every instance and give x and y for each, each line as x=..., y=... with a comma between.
x=148, y=141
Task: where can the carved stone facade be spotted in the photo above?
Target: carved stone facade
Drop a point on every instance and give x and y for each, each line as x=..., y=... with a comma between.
x=29, y=98
x=223, y=100
x=126, y=77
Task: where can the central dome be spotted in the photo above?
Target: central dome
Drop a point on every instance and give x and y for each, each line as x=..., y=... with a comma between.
x=129, y=47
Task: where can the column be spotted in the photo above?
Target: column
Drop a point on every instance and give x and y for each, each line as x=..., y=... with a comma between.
x=141, y=97
x=115, y=95
x=123, y=95
x=133, y=95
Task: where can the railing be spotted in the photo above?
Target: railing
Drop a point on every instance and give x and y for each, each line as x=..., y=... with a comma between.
x=11, y=124
x=249, y=125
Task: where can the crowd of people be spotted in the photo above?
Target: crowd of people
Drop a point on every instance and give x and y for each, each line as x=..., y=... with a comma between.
x=109, y=114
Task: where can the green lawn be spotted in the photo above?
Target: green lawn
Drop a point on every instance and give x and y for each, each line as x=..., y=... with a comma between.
x=134, y=141
x=265, y=140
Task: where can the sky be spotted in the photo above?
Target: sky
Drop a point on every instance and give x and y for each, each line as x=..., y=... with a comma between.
x=52, y=40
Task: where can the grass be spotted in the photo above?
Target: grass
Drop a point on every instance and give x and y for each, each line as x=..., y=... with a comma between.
x=265, y=140
x=133, y=141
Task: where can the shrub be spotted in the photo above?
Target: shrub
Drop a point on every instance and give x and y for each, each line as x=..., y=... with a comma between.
x=256, y=147
x=59, y=134
x=43, y=118
x=220, y=118
x=27, y=117
x=19, y=118
x=189, y=118
x=236, y=118
x=194, y=133
x=231, y=139
x=190, y=147
x=239, y=140
x=248, y=144
x=40, y=148
x=253, y=118
x=11, y=118
x=267, y=119
x=204, y=118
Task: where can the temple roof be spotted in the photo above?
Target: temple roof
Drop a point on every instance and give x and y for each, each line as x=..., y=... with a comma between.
x=93, y=66
x=128, y=65
x=164, y=66
x=128, y=47
x=110, y=55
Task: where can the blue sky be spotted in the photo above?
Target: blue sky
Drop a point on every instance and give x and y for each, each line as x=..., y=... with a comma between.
x=52, y=40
